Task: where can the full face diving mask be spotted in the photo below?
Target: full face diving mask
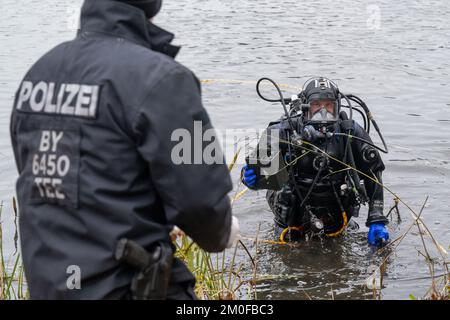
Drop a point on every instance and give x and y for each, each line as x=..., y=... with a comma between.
x=322, y=111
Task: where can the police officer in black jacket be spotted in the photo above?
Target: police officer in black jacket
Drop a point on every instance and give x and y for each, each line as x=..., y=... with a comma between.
x=332, y=167
x=91, y=131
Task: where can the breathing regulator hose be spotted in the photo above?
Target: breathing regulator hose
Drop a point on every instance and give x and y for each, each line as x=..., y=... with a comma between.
x=282, y=100
x=371, y=119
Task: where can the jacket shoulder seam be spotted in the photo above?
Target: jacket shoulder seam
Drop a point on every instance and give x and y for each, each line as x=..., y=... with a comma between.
x=139, y=106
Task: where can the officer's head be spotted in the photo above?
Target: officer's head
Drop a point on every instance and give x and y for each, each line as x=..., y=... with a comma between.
x=322, y=95
x=150, y=7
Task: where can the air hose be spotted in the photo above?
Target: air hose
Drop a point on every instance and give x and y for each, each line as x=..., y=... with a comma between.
x=371, y=119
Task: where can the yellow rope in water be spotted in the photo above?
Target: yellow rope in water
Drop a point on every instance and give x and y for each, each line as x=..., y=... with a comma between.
x=233, y=81
x=344, y=226
x=239, y=195
x=269, y=241
x=285, y=231
x=331, y=235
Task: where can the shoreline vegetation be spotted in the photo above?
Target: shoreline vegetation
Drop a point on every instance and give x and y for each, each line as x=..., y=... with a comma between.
x=12, y=277
x=221, y=277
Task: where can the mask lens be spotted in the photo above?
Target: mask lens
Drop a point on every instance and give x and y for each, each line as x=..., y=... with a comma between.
x=322, y=110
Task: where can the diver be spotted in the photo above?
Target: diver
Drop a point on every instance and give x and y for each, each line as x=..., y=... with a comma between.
x=328, y=165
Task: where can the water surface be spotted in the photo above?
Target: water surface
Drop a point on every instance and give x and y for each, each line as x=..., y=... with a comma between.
x=400, y=69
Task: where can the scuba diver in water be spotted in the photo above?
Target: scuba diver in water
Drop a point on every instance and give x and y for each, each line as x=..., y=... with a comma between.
x=315, y=189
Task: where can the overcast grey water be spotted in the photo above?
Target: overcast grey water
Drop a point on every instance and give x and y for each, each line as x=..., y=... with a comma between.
x=395, y=55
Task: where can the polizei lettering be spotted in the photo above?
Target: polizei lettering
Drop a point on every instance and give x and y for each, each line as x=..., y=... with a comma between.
x=66, y=99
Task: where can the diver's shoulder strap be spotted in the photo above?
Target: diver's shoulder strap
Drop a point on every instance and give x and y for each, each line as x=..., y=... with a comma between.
x=344, y=122
x=347, y=125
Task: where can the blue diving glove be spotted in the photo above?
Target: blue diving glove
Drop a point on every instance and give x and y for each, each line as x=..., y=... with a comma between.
x=378, y=234
x=248, y=177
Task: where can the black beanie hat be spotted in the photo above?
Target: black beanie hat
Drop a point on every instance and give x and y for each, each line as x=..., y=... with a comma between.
x=150, y=7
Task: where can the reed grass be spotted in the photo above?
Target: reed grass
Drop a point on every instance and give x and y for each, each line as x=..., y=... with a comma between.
x=218, y=275
x=12, y=278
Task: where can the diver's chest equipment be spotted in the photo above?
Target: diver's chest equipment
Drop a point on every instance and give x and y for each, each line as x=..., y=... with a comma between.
x=316, y=224
x=312, y=134
x=320, y=162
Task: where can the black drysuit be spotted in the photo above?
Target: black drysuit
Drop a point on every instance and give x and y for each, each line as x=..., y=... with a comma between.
x=92, y=132
x=324, y=202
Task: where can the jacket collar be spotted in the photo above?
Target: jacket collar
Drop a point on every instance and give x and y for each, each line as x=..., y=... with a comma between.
x=124, y=21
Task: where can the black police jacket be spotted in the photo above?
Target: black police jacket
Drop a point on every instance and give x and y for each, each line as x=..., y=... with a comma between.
x=92, y=135
x=305, y=168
